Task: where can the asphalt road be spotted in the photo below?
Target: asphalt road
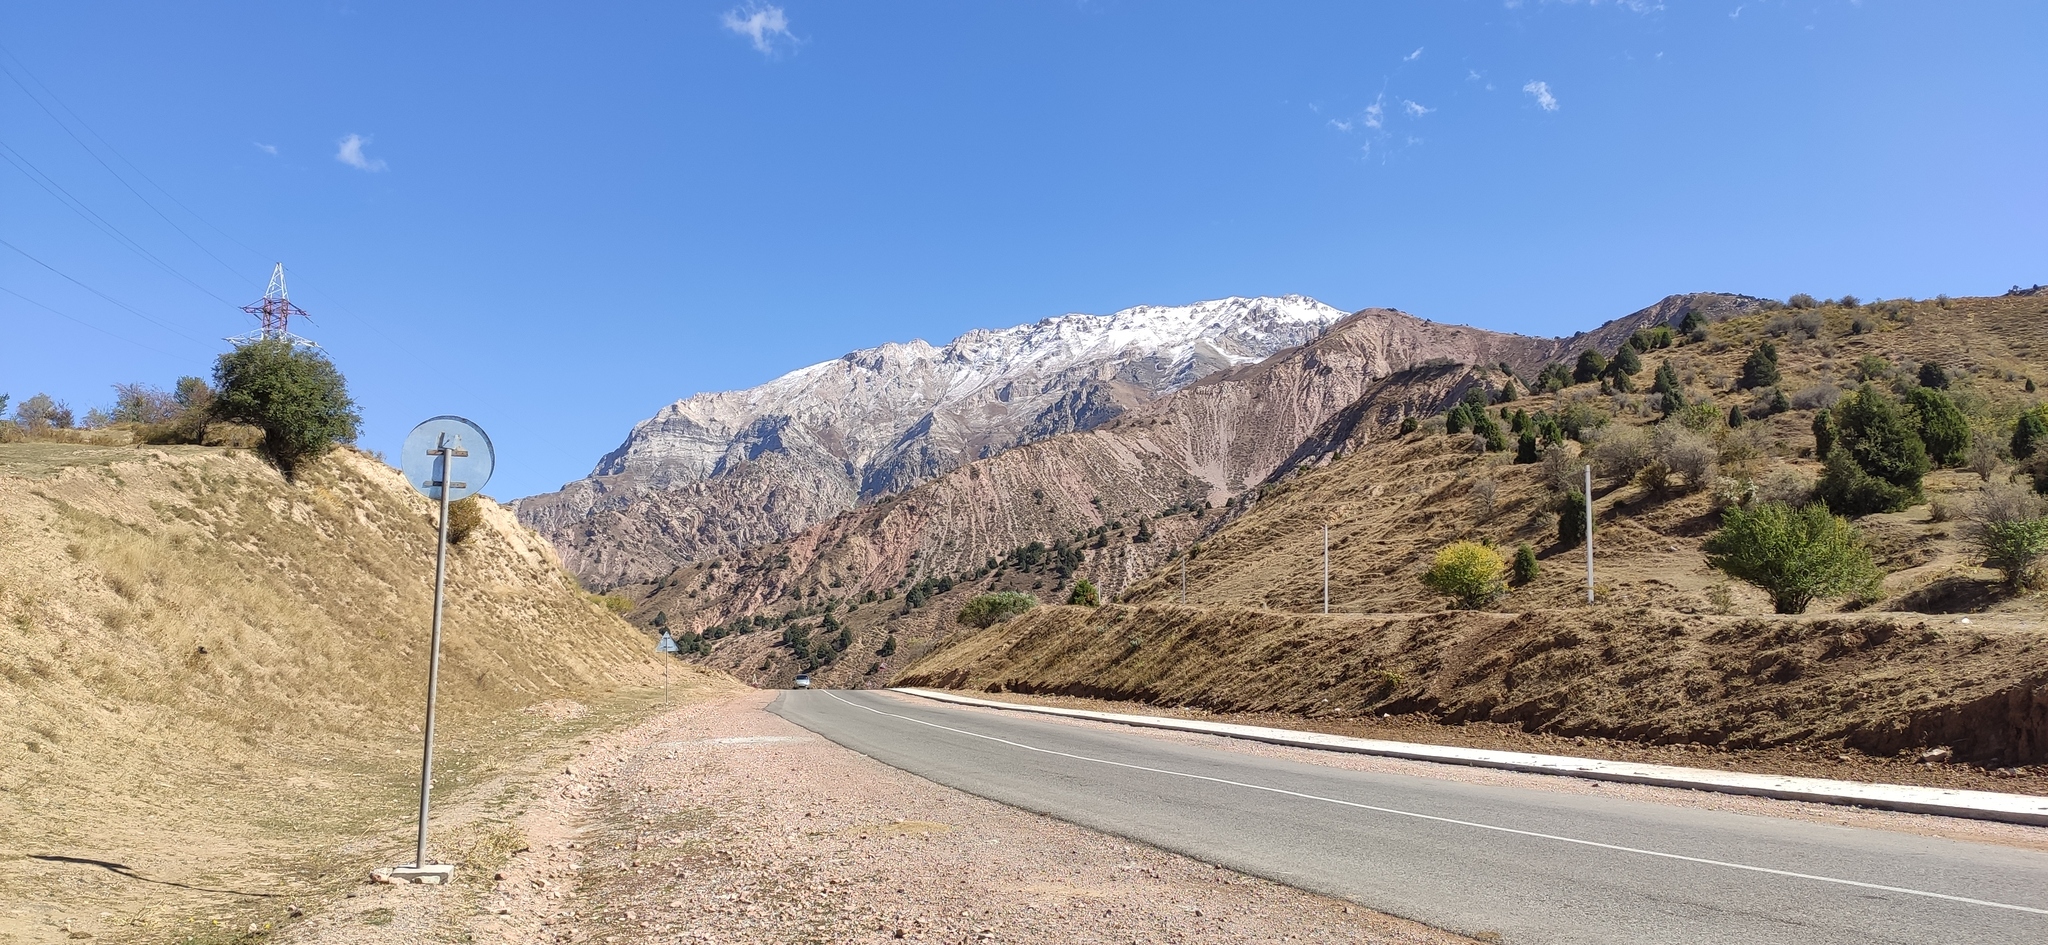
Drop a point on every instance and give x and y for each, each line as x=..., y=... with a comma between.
x=1530, y=866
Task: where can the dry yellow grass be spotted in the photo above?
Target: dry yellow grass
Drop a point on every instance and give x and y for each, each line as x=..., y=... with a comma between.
x=215, y=676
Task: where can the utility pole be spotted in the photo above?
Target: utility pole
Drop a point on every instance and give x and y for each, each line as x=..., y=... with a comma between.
x=1326, y=570
x=1589, y=534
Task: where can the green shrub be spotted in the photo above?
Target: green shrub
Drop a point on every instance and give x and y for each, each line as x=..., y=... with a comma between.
x=2029, y=433
x=1795, y=555
x=1848, y=490
x=1879, y=437
x=888, y=647
x=1942, y=427
x=1085, y=594
x=1589, y=367
x=1666, y=380
x=1469, y=573
x=1824, y=433
x=1525, y=448
x=1932, y=376
x=1779, y=404
x=1571, y=519
x=2009, y=528
x=464, y=516
x=1735, y=417
x=991, y=609
x=1761, y=368
x=1410, y=425
x=1625, y=362
x=1524, y=568
x=293, y=394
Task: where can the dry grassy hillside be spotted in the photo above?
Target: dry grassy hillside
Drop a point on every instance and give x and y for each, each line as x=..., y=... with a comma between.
x=215, y=676
x=1673, y=650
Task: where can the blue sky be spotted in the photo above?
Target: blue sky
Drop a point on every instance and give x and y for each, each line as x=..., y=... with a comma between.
x=556, y=218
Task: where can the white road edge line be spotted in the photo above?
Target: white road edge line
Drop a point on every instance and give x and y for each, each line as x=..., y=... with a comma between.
x=1462, y=823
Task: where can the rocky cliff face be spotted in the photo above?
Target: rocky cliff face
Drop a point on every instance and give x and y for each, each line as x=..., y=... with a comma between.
x=718, y=472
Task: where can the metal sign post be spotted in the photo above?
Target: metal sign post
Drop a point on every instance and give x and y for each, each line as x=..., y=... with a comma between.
x=1326, y=570
x=666, y=646
x=1589, y=534
x=444, y=459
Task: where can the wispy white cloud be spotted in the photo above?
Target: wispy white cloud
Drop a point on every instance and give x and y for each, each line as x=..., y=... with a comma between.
x=763, y=24
x=1633, y=6
x=351, y=154
x=1738, y=12
x=1341, y=124
x=1544, y=99
x=1411, y=57
x=1415, y=109
x=269, y=149
x=1375, y=115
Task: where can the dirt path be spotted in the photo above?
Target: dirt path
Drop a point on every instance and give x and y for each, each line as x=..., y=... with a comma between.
x=718, y=822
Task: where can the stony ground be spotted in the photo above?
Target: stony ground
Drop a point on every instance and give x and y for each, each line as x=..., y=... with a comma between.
x=718, y=822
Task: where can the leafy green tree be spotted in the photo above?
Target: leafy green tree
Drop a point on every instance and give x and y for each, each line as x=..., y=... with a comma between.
x=1519, y=421
x=1626, y=362
x=1692, y=322
x=1881, y=439
x=1469, y=573
x=1409, y=425
x=1942, y=426
x=1761, y=367
x=1824, y=433
x=1589, y=368
x=1555, y=377
x=1673, y=402
x=1508, y=393
x=1085, y=594
x=888, y=647
x=1847, y=489
x=1666, y=380
x=991, y=609
x=1795, y=555
x=1571, y=519
x=2030, y=389
x=1458, y=420
x=1489, y=430
x=293, y=394
x=2029, y=433
x=1779, y=402
x=43, y=412
x=1525, y=448
x=1932, y=376
x=1524, y=568
x=1735, y=417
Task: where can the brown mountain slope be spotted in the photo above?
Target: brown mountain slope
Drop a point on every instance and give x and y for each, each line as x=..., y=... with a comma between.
x=1203, y=445
x=1903, y=671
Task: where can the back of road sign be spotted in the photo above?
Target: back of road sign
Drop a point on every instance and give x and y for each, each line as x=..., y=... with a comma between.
x=470, y=459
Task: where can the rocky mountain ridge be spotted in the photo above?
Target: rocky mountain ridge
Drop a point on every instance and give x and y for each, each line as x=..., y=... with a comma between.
x=1199, y=447
x=716, y=472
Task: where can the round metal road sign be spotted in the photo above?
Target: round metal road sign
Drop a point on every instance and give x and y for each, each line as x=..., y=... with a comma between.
x=447, y=450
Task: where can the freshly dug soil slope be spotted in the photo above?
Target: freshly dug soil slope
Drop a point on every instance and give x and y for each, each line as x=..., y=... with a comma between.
x=1880, y=683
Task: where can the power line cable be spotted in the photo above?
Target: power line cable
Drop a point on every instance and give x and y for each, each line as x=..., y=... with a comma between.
x=81, y=321
x=117, y=302
x=117, y=176
x=139, y=172
x=64, y=196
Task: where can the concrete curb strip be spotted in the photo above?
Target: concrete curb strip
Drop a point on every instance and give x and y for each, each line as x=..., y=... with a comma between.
x=1978, y=805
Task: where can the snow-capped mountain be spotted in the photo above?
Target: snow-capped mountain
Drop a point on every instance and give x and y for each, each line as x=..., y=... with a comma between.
x=720, y=471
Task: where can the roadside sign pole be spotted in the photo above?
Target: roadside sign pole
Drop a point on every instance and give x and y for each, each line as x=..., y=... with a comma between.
x=445, y=453
x=1326, y=570
x=1589, y=534
x=445, y=459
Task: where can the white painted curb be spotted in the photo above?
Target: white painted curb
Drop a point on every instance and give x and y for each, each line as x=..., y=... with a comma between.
x=1978, y=805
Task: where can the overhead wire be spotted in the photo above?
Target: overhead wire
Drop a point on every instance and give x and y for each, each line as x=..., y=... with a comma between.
x=81, y=321
x=116, y=302
x=117, y=176
x=139, y=172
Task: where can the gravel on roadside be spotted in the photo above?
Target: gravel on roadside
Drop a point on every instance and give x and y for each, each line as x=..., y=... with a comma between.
x=719, y=822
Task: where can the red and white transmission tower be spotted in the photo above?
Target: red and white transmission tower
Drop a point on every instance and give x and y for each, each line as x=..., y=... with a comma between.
x=274, y=314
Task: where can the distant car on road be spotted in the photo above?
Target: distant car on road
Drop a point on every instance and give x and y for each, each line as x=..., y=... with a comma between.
x=803, y=680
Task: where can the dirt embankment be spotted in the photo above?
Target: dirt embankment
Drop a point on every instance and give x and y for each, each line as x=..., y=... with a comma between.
x=1879, y=684
x=213, y=676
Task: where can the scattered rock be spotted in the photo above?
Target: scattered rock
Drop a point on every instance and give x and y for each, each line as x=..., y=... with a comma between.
x=1938, y=756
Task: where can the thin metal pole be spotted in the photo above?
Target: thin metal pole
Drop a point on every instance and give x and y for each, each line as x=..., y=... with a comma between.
x=1589, y=534
x=1326, y=570
x=1183, y=577
x=434, y=659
